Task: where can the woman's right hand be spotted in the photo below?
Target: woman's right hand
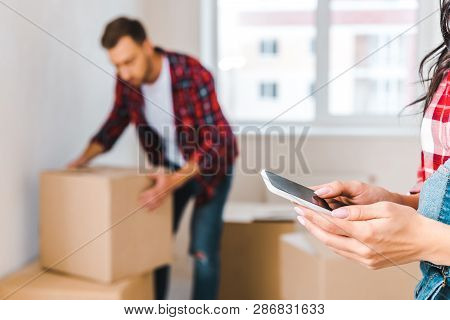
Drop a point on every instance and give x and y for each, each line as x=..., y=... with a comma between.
x=337, y=193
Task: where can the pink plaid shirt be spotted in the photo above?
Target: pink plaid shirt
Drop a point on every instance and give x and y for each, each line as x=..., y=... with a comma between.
x=435, y=134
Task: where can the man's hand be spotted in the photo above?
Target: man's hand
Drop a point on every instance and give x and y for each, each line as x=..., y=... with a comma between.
x=91, y=151
x=77, y=163
x=378, y=235
x=166, y=183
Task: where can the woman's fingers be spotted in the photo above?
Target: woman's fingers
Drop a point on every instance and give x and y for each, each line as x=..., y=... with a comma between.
x=353, y=237
x=322, y=220
x=336, y=224
x=348, y=247
x=352, y=256
x=331, y=240
x=338, y=188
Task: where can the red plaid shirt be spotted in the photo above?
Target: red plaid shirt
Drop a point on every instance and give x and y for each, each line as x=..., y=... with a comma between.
x=435, y=134
x=203, y=134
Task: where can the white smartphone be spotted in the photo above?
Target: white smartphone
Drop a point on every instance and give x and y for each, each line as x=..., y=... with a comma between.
x=294, y=192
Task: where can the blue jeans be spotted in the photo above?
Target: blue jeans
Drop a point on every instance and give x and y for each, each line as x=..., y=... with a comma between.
x=206, y=232
x=435, y=204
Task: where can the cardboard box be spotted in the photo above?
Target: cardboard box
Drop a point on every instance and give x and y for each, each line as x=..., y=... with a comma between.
x=92, y=226
x=309, y=270
x=31, y=284
x=250, y=250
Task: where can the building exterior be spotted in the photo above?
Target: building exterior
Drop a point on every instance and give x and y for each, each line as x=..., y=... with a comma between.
x=267, y=57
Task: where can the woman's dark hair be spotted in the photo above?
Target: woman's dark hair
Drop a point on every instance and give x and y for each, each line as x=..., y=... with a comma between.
x=439, y=59
x=121, y=27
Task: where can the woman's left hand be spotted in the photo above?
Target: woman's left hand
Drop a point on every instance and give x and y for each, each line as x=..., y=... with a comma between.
x=377, y=235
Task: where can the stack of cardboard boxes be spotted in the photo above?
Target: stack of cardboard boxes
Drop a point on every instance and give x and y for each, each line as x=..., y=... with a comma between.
x=96, y=240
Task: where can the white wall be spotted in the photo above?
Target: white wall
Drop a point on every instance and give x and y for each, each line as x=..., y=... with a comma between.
x=174, y=24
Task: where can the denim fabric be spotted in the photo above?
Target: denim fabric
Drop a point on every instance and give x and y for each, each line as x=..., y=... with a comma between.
x=434, y=203
x=206, y=232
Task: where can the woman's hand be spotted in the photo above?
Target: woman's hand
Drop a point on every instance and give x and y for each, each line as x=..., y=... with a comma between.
x=353, y=192
x=378, y=235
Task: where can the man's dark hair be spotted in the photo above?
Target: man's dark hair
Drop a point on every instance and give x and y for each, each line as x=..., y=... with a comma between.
x=121, y=27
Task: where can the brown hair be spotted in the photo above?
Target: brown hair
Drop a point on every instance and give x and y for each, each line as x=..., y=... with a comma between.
x=121, y=27
x=439, y=57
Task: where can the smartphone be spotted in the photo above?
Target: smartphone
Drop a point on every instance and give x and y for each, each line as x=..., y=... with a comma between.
x=295, y=192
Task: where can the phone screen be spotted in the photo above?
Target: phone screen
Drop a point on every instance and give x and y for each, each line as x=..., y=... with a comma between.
x=296, y=190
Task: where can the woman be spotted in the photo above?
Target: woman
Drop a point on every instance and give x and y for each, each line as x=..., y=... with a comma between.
x=379, y=228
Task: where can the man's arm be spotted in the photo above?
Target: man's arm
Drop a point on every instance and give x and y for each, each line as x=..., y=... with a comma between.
x=91, y=151
x=185, y=173
x=166, y=183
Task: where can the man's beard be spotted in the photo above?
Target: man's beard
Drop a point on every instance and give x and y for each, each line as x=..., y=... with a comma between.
x=148, y=71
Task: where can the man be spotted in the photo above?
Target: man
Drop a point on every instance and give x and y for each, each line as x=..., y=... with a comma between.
x=171, y=100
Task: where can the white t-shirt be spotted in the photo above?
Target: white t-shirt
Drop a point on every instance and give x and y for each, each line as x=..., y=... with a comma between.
x=159, y=112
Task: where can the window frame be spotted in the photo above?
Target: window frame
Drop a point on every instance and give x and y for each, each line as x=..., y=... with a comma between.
x=323, y=118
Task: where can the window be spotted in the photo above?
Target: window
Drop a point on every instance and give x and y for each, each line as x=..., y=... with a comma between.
x=268, y=90
x=248, y=28
x=268, y=47
x=342, y=60
x=378, y=84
